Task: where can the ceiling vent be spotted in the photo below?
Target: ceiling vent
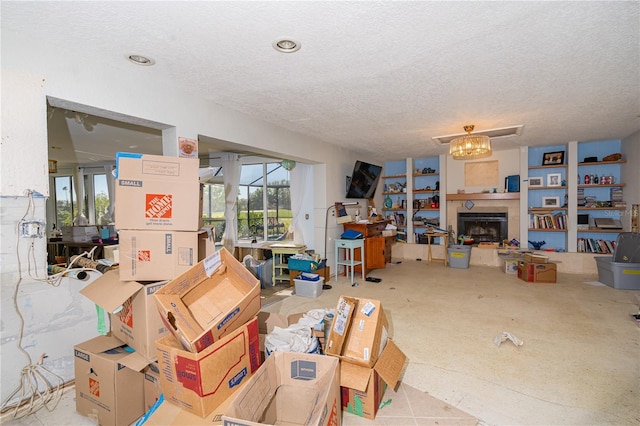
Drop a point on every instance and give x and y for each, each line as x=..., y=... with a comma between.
x=502, y=132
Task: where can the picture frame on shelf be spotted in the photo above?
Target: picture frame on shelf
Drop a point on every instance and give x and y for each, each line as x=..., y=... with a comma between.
x=554, y=179
x=550, y=202
x=535, y=181
x=553, y=158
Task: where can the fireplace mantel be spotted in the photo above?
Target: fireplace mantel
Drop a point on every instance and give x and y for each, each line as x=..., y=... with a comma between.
x=484, y=196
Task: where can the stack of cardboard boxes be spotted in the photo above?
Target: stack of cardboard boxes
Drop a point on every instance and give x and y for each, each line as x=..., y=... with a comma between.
x=157, y=201
x=537, y=268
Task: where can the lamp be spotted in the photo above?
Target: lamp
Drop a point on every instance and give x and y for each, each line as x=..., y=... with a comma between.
x=326, y=220
x=470, y=146
x=288, y=164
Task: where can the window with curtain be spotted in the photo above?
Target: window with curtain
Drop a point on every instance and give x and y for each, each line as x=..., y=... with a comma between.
x=96, y=198
x=213, y=208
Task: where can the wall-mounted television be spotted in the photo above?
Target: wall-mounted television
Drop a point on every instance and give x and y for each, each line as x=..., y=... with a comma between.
x=364, y=180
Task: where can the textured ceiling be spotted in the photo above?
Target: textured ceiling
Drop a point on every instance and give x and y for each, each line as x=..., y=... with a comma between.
x=379, y=77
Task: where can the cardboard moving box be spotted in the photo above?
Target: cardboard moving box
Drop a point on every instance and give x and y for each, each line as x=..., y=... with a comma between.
x=136, y=321
x=106, y=389
x=363, y=388
x=200, y=382
x=289, y=389
x=161, y=255
x=155, y=192
x=537, y=272
x=215, y=297
x=359, y=331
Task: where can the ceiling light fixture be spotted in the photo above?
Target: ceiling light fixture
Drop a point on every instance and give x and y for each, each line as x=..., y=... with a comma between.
x=141, y=60
x=470, y=146
x=288, y=164
x=286, y=45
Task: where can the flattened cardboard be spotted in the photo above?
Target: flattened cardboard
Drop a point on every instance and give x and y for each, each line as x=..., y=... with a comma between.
x=136, y=320
x=105, y=388
x=168, y=414
x=312, y=381
x=200, y=382
x=161, y=255
x=155, y=192
x=213, y=298
x=359, y=331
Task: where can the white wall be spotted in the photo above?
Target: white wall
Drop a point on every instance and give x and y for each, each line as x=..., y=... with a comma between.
x=30, y=74
x=631, y=174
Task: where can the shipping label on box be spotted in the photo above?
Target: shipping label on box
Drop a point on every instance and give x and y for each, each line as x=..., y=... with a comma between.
x=134, y=316
x=289, y=388
x=200, y=382
x=157, y=192
x=161, y=255
x=213, y=298
x=359, y=331
x=105, y=388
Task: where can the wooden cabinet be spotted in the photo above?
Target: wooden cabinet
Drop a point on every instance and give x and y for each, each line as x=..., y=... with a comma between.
x=377, y=249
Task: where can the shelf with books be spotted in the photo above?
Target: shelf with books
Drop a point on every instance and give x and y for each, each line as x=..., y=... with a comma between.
x=595, y=245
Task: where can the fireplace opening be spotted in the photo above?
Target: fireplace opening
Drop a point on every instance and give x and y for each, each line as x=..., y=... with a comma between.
x=484, y=226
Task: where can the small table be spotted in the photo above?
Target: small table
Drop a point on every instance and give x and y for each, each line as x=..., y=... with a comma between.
x=444, y=235
x=281, y=251
x=349, y=260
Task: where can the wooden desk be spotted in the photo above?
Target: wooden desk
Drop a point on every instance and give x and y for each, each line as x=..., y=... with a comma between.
x=444, y=235
x=377, y=249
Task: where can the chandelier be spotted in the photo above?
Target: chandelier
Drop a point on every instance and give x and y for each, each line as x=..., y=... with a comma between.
x=288, y=164
x=470, y=146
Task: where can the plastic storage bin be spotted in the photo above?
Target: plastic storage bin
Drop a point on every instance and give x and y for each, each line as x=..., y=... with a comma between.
x=459, y=256
x=622, y=270
x=308, y=285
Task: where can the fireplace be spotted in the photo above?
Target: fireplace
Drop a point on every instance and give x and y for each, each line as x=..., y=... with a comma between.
x=484, y=226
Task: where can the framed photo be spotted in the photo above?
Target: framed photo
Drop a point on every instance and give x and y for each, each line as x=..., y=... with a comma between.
x=550, y=202
x=535, y=181
x=554, y=179
x=553, y=158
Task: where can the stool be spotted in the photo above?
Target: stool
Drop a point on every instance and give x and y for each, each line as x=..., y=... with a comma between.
x=350, y=247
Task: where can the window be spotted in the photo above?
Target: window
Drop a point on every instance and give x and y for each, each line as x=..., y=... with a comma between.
x=65, y=201
x=258, y=200
x=213, y=208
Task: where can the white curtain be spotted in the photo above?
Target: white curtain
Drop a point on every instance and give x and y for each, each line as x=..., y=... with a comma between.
x=80, y=218
x=300, y=180
x=231, y=174
x=108, y=218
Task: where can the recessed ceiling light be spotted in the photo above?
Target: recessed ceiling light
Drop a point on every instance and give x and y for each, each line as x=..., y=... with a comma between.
x=286, y=45
x=141, y=60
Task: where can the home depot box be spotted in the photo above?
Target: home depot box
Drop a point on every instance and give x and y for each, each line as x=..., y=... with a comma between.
x=152, y=387
x=537, y=272
x=136, y=320
x=161, y=255
x=363, y=388
x=358, y=332
x=200, y=382
x=215, y=297
x=107, y=390
x=155, y=192
x=290, y=388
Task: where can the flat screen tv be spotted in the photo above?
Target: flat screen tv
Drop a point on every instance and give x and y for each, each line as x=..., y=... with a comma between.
x=364, y=180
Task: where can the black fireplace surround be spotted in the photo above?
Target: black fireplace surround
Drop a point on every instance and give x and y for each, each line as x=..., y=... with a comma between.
x=484, y=226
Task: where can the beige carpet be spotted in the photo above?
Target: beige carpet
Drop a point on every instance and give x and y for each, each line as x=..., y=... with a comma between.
x=580, y=359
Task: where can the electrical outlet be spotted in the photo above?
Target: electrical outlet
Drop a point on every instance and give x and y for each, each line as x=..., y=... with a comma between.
x=32, y=229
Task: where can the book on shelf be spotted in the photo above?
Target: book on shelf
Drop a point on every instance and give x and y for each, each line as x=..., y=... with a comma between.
x=592, y=245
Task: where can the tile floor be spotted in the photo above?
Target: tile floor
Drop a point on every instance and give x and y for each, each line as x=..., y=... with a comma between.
x=579, y=364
